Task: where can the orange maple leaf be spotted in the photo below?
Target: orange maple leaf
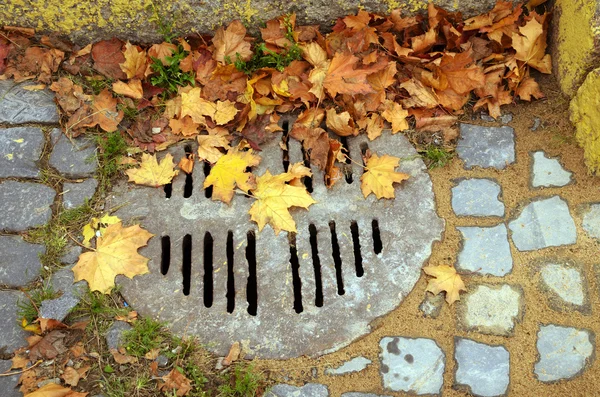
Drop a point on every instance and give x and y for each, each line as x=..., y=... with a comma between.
x=343, y=78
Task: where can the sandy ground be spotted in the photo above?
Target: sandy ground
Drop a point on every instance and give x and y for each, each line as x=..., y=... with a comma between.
x=556, y=138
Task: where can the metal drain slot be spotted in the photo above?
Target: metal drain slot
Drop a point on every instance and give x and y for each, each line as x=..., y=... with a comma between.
x=230, y=275
x=168, y=189
x=186, y=268
x=285, y=139
x=206, y=169
x=296, y=281
x=307, y=180
x=337, y=259
x=165, y=258
x=356, y=245
x=347, y=169
x=208, y=269
x=312, y=230
x=377, y=245
x=251, y=287
x=189, y=180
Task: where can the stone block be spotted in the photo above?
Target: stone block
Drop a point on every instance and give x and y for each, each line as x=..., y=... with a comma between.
x=486, y=147
x=74, y=158
x=477, y=197
x=356, y=364
x=548, y=172
x=19, y=261
x=18, y=106
x=75, y=194
x=24, y=205
x=9, y=384
x=20, y=149
x=12, y=335
x=308, y=390
x=485, y=250
x=483, y=369
x=591, y=221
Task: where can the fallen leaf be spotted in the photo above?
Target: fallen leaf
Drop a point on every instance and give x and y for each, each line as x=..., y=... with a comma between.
x=233, y=355
x=19, y=361
x=221, y=112
x=175, y=380
x=445, y=279
x=116, y=253
x=395, y=114
x=135, y=61
x=162, y=51
x=122, y=358
x=184, y=126
x=299, y=171
x=529, y=88
x=49, y=347
x=152, y=354
x=380, y=175
x=108, y=56
x=274, y=198
x=342, y=78
x=105, y=114
x=50, y=390
x=132, y=89
x=230, y=171
x=96, y=227
x=186, y=164
x=530, y=44
x=151, y=172
x=209, y=147
x=342, y=124
x=374, y=126
x=230, y=42
x=70, y=376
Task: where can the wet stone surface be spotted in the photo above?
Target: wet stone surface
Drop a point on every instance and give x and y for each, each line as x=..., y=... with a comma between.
x=591, y=221
x=482, y=368
x=19, y=261
x=114, y=335
x=12, y=335
x=18, y=106
x=58, y=308
x=543, y=223
x=24, y=205
x=20, y=148
x=308, y=390
x=356, y=364
x=431, y=306
x=75, y=194
x=548, y=172
x=412, y=365
x=486, y=147
x=491, y=309
x=485, y=250
x=563, y=352
x=477, y=197
x=73, y=160
x=565, y=283
x=9, y=384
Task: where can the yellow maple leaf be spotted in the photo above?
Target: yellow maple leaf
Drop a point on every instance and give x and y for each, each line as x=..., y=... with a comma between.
x=196, y=107
x=445, y=279
x=380, y=176
x=222, y=112
x=208, y=147
x=530, y=44
x=396, y=115
x=132, y=89
x=229, y=171
x=135, y=61
x=96, y=227
x=274, y=198
x=342, y=124
x=298, y=171
x=151, y=173
x=50, y=390
x=116, y=253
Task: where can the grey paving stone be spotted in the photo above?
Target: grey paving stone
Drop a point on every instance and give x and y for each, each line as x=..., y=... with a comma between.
x=563, y=352
x=482, y=368
x=537, y=122
x=412, y=365
x=565, y=282
x=19, y=261
x=357, y=394
x=9, y=384
x=58, y=308
x=20, y=149
x=19, y=106
x=485, y=250
x=431, y=306
x=544, y=223
x=477, y=197
x=72, y=255
x=356, y=364
x=12, y=335
x=73, y=160
x=75, y=194
x=486, y=147
x=506, y=118
x=591, y=221
x=491, y=309
x=24, y=205
x=547, y=172
x=114, y=335
x=308, y=390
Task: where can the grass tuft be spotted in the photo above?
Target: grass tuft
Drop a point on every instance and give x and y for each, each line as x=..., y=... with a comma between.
x=436, y=157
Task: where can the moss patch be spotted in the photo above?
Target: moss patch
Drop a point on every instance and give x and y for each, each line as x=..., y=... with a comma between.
x=586, y=118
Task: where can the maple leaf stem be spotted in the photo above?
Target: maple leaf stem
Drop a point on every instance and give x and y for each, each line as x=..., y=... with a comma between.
x=355, y=162
x=86, y=117
x=240, y=191
x=23, y=370
x=78, y=243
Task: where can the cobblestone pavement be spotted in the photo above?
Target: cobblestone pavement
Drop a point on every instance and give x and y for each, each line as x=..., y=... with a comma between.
x=530, y=292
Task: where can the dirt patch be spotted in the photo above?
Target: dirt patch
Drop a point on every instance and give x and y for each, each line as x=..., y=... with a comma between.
x=555, y=137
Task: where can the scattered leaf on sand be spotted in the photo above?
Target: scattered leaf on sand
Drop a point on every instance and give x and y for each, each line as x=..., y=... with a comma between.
x=152, y=173
x=233, y=355
x=445, y=279
x=380, y=176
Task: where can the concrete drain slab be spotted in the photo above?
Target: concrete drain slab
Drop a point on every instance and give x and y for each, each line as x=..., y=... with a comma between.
x=212, y=275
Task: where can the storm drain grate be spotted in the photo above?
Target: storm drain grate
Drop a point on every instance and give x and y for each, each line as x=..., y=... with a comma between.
x=214, y=276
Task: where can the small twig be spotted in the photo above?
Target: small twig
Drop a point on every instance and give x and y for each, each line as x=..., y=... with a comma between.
x=23, y=370
x=6, y=37
x=355, y=162
x=78, y=243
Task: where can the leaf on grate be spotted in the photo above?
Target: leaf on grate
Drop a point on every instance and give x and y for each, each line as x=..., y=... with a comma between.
x=151, y=172
x=380, y=176
x=229, y=172
x=445, y=279
x=115, y=253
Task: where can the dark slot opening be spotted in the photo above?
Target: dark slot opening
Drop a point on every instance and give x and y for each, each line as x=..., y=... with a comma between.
x=347, y=169
x=251, y=288
x=356, y=244
x=208, y=191
x=168, y=188
x=186, y=269
x=189, y=186
x=337, y=259
x=316, y=265
x=230, y=275
x=208, y=269
x=307, y=180
x=377, y=245
x=285, y=138
x=296, y=281
x=364, y=147
x=187, y=149
x=165, y=260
